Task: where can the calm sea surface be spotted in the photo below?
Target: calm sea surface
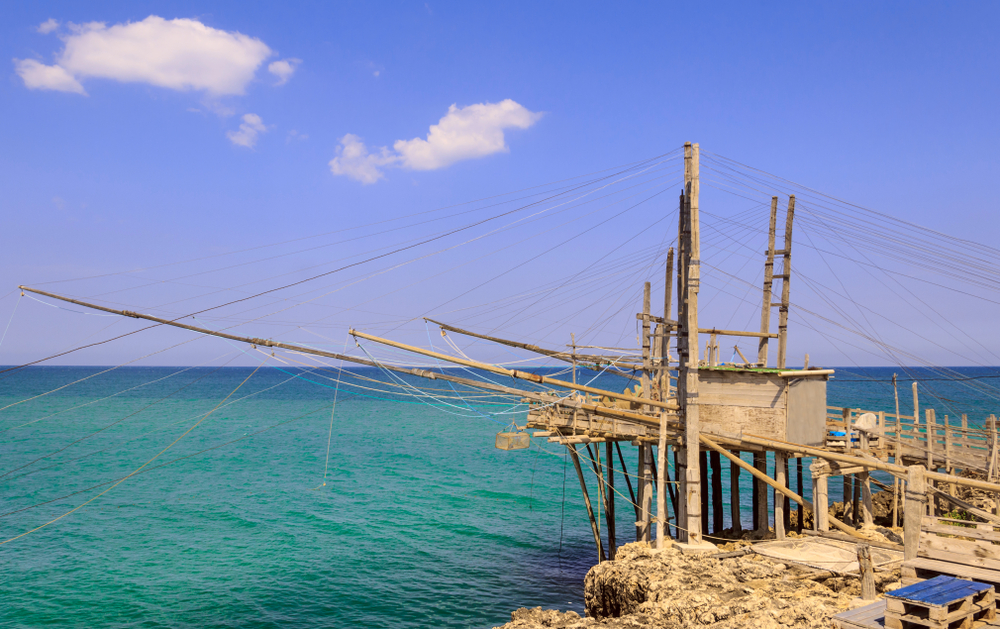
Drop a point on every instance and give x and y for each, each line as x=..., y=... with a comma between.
x=421, y=522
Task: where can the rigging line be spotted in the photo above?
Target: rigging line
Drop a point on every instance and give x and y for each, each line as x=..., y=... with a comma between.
x=138, y=469
x=589, y=229
x=588, y=267
x=89, y=314
x=11, y=320
x=170, y=462
x=333, y=410
x=121, y=444
x=864, y=209
x=413, y=260
x=92, y=375
x=353, y=239
x=116, y=422
x=108, y=397
x=398, y=218
x=289, y=285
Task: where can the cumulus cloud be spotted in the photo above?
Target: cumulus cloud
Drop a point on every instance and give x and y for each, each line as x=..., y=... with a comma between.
x=249, y=129
x=48, y=26
x=180, y=54
x=463, y=133
x=283, y=69
x=355, y=161
x=38, y=76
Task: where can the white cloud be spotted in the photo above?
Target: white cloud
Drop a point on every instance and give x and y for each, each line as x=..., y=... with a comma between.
x=48, y=26
x=250, y=128
x=355, y=161
x=181, y=54
x=283, y=69
x=463, y=133
x=467, y=133
x=38, y=76
x=295, y=135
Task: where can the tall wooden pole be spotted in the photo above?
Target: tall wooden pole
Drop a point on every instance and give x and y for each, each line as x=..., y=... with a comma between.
x=663, y=451
x=680, y=457
x=786, y=274
x=645, y=450
x=899, y=455
x=765, y=310
x=688, y=327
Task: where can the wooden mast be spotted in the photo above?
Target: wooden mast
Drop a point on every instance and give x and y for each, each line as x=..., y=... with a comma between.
x=645, y=450
x=765, y=310
x=786, y=274
x=688, y=329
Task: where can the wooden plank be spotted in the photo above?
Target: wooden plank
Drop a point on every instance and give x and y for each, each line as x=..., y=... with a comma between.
x=978, y=553
x=867, y=617
x=959, y=570
x=781, y=478
x=962, y=531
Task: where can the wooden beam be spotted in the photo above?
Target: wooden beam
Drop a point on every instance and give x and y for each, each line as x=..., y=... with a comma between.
x=514, y=373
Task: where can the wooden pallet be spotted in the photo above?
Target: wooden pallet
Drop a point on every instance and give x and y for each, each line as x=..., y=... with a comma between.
x=940, y=603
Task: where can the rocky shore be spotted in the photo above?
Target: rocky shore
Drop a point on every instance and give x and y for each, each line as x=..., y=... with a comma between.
x=671, y=590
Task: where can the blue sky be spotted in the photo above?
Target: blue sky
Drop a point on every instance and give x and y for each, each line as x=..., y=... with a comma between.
x=889, y=105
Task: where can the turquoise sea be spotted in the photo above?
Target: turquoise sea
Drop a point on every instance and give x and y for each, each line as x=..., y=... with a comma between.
x=421, y=522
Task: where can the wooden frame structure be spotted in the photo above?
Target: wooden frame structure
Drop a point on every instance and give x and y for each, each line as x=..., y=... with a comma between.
x=697, y=412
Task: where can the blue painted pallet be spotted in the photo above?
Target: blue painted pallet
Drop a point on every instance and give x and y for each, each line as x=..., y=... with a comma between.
x=939, y=591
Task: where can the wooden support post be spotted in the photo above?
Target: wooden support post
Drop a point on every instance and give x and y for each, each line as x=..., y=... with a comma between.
x=846, y=415
x=867, y=571
x=586, y=500
x=856, y=501
x=821, y=500
x=864, y=481
x=760, y=496
x=662, y=452
x=965, y=431
x=780, y=477
x=715, y=460
x=734, y=496
x=785, y=285
x=688, y=327
x=665, y=339
x=602, y=500
x=947, y=454
x=798, y=472
x=786, y=514
x=610, y=503
x=703, y=466
x=628, y=481
x=848, y=499
x=765, y=310
x=931, y=438
x=991, y=467
x=645, y=493
x=913, y=512
x=645, y=451
x=898, y=456
x=916, y=418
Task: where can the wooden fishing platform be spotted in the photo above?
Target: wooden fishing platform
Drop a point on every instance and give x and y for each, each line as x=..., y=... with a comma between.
x=689, y=412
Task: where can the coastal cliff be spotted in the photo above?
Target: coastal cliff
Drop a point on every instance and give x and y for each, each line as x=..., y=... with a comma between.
x=668, y=589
